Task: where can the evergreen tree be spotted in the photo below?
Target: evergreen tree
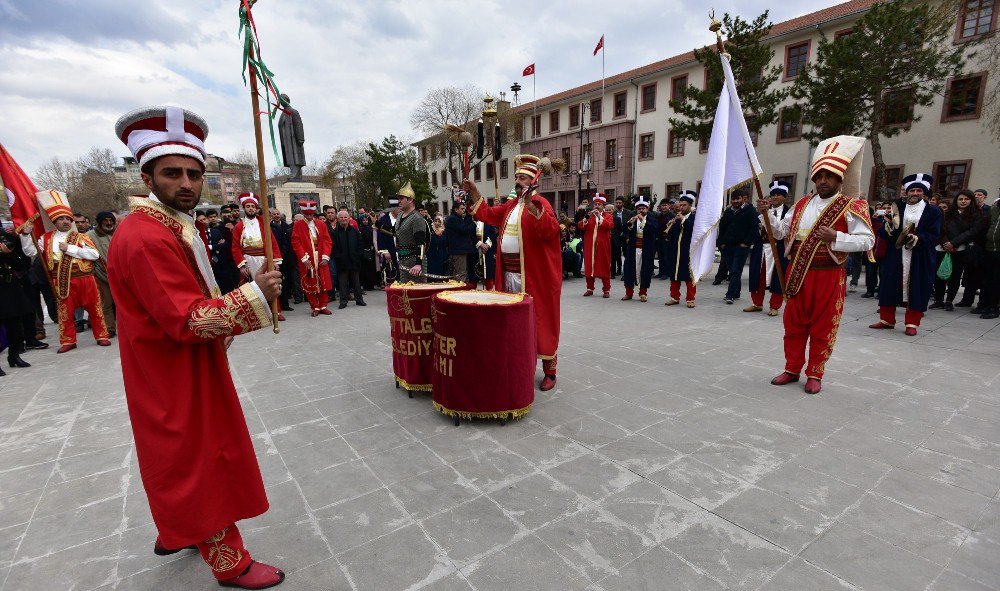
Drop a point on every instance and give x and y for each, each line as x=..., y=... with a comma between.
x=750, y=59
x=388, y=165
x=868, y=82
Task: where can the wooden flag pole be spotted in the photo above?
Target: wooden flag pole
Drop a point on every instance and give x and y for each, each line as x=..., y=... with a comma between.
x=262, y=187
x=715, y=27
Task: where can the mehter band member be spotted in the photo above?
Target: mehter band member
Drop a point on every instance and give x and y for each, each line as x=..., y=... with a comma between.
x=312, y=245
x=818, y=235
x=530, y=259
x=196, y=458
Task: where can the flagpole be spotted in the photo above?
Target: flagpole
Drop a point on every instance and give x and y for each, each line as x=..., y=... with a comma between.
x=715, y=27
x=603, y=50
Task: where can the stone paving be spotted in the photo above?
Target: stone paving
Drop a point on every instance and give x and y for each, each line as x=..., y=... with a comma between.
x=663, y=460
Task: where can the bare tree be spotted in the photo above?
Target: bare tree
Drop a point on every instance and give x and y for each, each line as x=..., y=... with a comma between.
x=88, y=181
x=56, y=173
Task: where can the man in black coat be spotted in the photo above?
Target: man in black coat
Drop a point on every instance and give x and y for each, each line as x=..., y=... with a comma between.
x=347, y=249
x=460, y=232
x=619, y=240
x=724, y=239
x=282, y=231
x=219, y=239
x=743, y=233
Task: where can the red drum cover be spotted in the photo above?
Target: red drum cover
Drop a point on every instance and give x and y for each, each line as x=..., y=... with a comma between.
x=484, y=354
x=412, y=334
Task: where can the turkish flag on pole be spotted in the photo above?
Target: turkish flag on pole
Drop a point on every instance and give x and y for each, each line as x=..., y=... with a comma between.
x=529, y=71
x=20, y=192
x=600, y=44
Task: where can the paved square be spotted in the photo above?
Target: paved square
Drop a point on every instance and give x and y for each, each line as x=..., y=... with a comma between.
x=663, y=460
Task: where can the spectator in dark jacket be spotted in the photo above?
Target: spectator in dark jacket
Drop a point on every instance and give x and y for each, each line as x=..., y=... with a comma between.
x=347, y=249
x=725, y=239
x=743, y=231
x=460, y=231
x=963, y=222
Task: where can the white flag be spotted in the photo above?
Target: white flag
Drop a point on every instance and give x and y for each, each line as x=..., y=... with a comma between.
x=731, y=161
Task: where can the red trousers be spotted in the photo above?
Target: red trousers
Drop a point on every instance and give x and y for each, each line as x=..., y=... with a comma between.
x=630, y=291
x=757, y=297
x=887, y=314
x=813, y=315
x=225, y=554
x=318, y=301
x=605, y=281
x=83, y=293
x=690, y=291
x=549, y=366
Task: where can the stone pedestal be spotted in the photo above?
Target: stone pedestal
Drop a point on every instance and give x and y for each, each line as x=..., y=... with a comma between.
x=286, y=197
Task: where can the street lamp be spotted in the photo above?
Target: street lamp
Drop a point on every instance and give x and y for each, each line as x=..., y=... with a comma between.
x=515, y=88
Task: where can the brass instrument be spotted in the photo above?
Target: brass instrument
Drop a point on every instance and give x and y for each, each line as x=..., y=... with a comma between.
x=481, y=261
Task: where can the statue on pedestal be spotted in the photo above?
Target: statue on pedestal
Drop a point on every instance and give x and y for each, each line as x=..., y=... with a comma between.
x=292, y=139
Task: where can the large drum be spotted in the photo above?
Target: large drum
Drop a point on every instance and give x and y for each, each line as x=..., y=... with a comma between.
x=484, y=354
x=412, y=333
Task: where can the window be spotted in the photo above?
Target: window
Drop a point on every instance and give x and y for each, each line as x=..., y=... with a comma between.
x=646, y=146
x=553, y=121
x=893, y=180
x=898, y=108
x=434, y=178
x=703, y=145
x=423, y=153
x=677, y=85
x=842, y=33
x=444, y=208
x=536, y=126
x=596, y=110
x=620, y=104
x=964, y=98
x=672, y=190
x=504, y=171
x=976, y=18
x=787, y=179
x=574, y=116
x=645, y=190
x=588, y=159
x=675, y=144
x=477, y=173
x=567, y=156
x=610, y=194
x=610, y=154
x=951, y=177
x=789, y=128
x=649, y=97
x=489, y=171
x=433, y=151
x=796, y=56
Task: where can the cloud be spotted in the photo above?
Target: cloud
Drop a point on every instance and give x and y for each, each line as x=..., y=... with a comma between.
x=355, y=69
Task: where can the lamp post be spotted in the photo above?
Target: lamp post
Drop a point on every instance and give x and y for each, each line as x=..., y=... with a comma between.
x=515, y=88
x=583, y=168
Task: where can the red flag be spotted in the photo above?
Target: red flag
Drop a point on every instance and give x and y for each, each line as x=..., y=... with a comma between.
x=20, y=192
x=529, y=71
x=600, y=44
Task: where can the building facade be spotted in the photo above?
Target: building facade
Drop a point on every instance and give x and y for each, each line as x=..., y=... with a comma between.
x=620, y=141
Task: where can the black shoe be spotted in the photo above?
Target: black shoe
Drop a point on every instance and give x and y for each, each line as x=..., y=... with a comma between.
x=867, y=295
x=360, y=303
x=342, y=305
x=729, y=300
x=991, y=315
x=979, y=310
x=35, y=344
x=936, y=306
x=287, y=309
x=2, y=372
x=949, y=307
x=717, y=282
x=16, y=361
x=964, y=304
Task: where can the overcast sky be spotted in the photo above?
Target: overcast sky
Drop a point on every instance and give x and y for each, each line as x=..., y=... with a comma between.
x=355, y=69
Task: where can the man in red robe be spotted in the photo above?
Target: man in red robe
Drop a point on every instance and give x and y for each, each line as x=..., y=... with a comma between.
x=195, y=454
x=530, y=259
x=596, y=229
x=312, y=245
x=248, y=242
x=69, y=257
x=819, y=234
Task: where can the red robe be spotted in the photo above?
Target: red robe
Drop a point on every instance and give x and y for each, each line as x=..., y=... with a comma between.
x=196, y=459
x=541, y=263
x=310, y=252
x=597, y=245
x=240, y=250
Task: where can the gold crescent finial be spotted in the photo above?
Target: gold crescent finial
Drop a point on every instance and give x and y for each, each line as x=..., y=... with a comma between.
x=714, y=26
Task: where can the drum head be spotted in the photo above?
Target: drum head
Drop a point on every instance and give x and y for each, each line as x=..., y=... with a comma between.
x=488, y=298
